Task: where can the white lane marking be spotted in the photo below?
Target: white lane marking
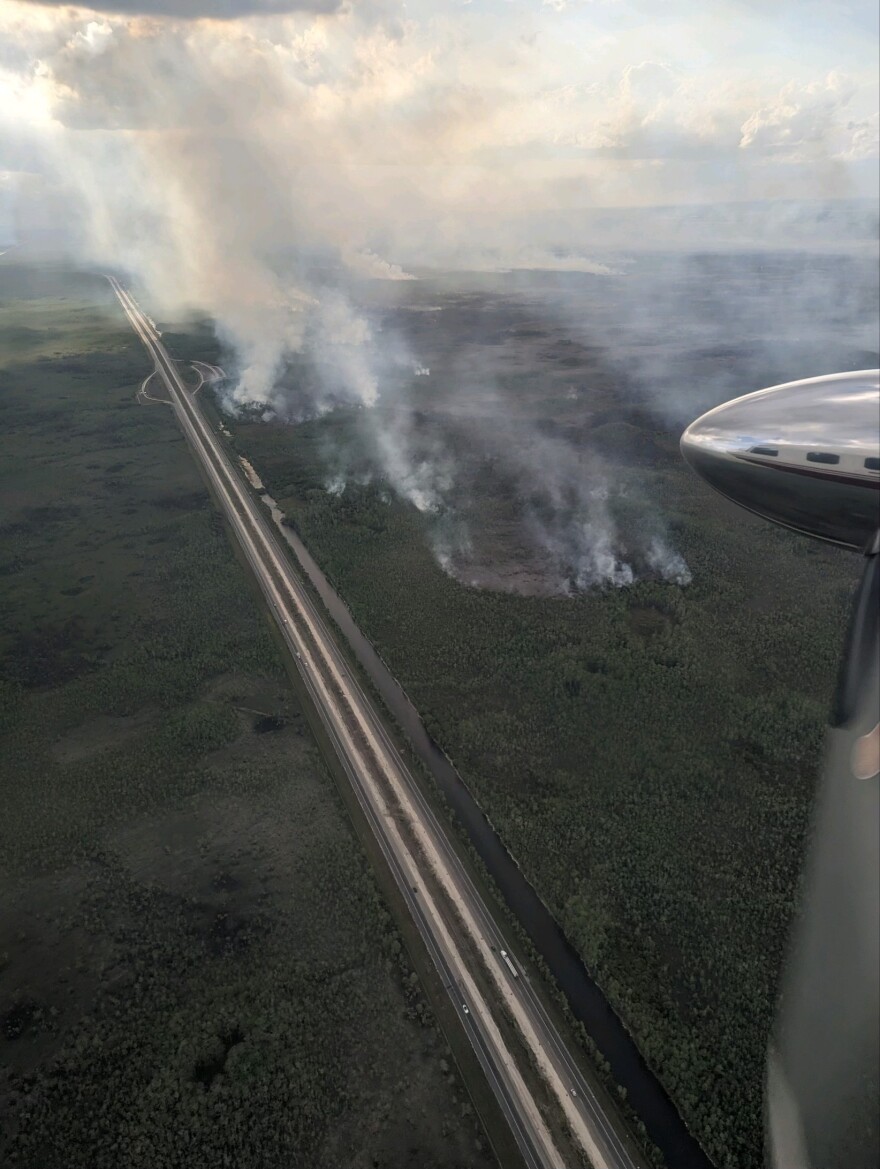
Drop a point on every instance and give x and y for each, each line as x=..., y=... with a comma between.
x=447, y=879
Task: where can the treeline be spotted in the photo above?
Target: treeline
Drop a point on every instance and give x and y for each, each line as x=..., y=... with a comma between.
x=197, y=968
x=647, y=754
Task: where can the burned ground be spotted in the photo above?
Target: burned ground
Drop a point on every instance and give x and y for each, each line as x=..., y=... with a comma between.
x=196, y=964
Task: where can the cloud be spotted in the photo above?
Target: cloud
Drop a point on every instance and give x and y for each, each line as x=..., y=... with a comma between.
x=864, y=141
x=259, y=166
x=384, y=139
x=199, y=9
x=654, y=111
x=803, y=121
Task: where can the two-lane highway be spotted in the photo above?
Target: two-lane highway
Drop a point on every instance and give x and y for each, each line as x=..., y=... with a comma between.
x=461, y=936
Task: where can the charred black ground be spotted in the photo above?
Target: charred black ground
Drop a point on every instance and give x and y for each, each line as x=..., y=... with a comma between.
x=648, y=753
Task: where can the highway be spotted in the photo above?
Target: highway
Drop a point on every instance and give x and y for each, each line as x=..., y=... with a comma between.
x=459, y=931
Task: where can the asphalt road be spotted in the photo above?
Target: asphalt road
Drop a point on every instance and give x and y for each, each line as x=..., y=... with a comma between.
x=459, y=931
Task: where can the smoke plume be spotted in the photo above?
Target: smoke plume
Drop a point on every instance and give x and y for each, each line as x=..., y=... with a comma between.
x=270, y=169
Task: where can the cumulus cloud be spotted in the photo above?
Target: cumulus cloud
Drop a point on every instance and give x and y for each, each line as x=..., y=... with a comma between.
x=191, y=151
x=804, y=119
x=257, y=165
x=864, y=142
x=654, y=111
x=412, y=137
x=215, y=9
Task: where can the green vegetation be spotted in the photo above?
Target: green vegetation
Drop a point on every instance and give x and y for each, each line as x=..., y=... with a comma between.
x=647, y=754
x=196, y=965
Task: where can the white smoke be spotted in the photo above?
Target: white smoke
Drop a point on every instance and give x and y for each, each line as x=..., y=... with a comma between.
x=451, y=545
x=424, y=479
x=259, y=172
x=344, y=342
x=598, y=563
x=569, y=531
x=667, y=562
x=335, y=485
x=571, y=520
x=367, y=263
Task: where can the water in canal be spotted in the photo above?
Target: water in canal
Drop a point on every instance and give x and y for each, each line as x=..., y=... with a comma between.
x=644, y=1092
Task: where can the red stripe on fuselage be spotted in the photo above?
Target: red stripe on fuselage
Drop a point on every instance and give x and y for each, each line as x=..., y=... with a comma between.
x=850, y=480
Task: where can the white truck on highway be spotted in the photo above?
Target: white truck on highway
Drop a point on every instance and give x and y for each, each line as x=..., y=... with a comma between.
x=510, y=966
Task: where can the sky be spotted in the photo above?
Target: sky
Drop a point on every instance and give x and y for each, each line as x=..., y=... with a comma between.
x=426, y=122
x=218, y=159
x=253, y=160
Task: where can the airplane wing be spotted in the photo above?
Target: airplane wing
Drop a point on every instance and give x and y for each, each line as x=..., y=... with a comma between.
x=807, y=455
x=823, y=1068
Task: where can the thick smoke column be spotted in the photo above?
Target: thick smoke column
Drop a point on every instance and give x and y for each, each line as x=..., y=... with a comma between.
x=421, y=478
x=344, y=343
x=667, y=563
x=571, y=514
x=256, y=171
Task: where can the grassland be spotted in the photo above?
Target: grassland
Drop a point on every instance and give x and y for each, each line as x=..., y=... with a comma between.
x=197, y=967
x=648, y=754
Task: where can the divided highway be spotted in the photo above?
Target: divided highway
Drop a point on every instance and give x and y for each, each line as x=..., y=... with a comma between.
x=465, y=944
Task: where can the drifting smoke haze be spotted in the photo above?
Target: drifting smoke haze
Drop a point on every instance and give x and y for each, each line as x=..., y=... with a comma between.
x=269, y=169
